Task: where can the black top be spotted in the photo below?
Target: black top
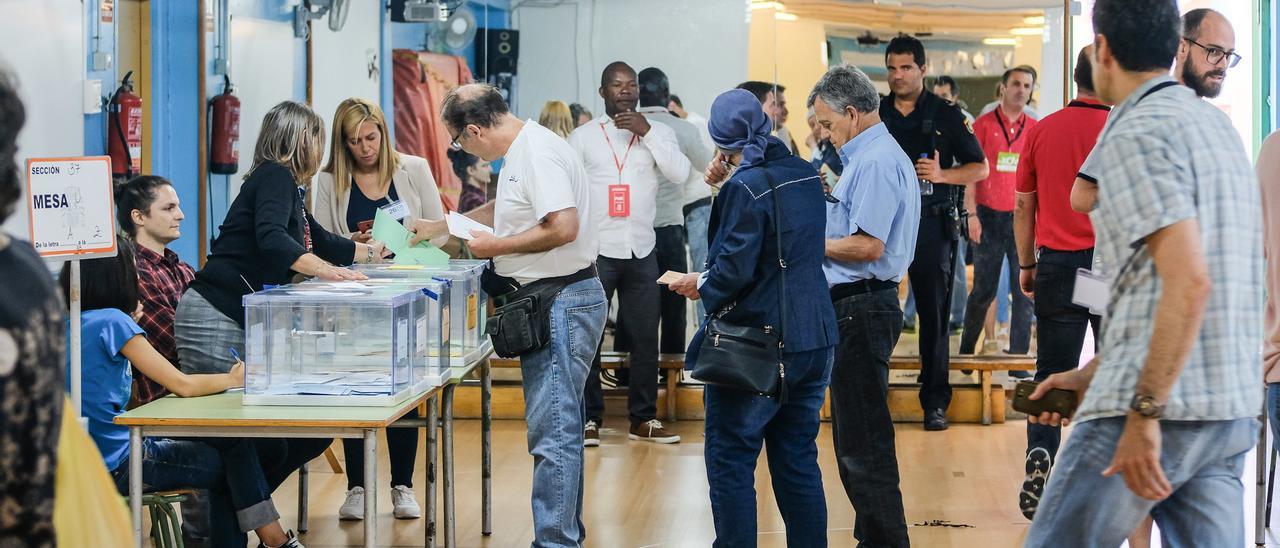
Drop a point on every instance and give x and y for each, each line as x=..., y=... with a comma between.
x=32, y=365
x=952, y=137
x=265, y=231
x=361, y=208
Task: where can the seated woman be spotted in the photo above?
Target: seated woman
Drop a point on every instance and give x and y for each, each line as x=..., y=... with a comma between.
x=110, y=342
x=365, y=174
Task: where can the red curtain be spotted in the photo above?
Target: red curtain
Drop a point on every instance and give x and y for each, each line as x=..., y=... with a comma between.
x=421, y=80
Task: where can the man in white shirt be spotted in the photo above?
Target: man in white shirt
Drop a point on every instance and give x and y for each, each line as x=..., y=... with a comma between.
x=626, y=158
x=669, y=222
x=544, y=233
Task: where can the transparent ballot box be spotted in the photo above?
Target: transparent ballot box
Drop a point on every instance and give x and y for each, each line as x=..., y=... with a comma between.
x=338, y=344
x=468, y=302
x=431, y=342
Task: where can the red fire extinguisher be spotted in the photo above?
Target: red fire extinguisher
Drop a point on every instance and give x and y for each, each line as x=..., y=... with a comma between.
x=124, y=130
x=224, y=156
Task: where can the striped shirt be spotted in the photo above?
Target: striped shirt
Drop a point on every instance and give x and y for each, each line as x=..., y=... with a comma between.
x=1161, y=159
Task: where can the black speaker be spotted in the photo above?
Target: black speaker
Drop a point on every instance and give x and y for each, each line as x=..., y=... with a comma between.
x=496, y=52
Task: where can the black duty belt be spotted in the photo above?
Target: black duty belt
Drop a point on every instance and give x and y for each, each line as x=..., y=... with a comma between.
x=860, y=287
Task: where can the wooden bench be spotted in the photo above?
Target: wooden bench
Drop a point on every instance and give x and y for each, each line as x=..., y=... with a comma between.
x=985, y=365
x=672, y=363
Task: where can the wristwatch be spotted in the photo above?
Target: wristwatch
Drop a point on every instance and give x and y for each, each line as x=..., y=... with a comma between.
x=1146, y=406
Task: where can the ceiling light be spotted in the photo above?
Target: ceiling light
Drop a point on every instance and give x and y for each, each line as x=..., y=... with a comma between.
x=783, y=16
x=1000, y=41
x=776, y=6
x=1035, y=20
x=1027, y=31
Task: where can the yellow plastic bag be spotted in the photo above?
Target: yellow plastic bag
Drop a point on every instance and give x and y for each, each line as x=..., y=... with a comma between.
x=87, y=509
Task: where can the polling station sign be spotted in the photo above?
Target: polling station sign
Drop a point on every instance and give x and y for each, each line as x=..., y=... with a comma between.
x=70, y=204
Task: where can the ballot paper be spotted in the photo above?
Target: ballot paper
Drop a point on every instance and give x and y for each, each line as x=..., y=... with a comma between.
x=669, y=277
x=396, y=237
x=461, y=225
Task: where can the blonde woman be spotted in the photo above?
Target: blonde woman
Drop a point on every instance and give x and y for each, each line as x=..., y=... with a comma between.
x=365, y=174
x=557, y=118
x=266, y=236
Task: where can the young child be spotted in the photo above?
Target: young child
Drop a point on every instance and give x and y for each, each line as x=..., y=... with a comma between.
x=110, y=340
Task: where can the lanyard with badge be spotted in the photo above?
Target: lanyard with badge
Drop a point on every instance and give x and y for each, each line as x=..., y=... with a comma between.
x=1093, y=289
x=1007, y=161
x=619, y=194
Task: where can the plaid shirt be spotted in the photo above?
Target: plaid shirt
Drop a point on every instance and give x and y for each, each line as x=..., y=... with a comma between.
x=1162, y=159
x=161, y=282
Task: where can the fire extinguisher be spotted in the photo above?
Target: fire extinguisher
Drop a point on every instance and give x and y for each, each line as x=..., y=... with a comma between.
x=124, y=130
x=224, y=156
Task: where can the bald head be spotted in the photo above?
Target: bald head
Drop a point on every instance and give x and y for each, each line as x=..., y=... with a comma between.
x=1207, y=49
x=472, y=104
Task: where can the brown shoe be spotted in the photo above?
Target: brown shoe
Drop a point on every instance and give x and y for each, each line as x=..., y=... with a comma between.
x=591, y=435
x=652, y=430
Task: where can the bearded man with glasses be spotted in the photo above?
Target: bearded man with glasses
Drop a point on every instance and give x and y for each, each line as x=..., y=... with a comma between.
x=1207, y=51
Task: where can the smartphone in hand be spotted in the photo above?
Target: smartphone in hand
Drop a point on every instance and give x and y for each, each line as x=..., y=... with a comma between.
x=1057, y=400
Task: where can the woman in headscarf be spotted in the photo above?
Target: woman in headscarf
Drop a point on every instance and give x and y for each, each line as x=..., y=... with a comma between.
x=741, y=287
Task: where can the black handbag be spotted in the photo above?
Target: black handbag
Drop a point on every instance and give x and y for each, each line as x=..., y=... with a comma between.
x=742, y=357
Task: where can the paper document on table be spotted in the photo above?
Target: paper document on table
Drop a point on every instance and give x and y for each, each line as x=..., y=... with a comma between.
x=670, y=277
x=461, y=225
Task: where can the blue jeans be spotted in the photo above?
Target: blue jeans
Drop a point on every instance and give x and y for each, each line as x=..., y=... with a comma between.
x=553, y=380
x=1203, y=460
x=738, y=423
x=225, y=475
x=695, y=225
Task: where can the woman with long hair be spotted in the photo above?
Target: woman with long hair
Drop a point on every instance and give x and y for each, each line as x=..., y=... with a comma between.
x=365, y=174
x=474, y=172
x=557, y=118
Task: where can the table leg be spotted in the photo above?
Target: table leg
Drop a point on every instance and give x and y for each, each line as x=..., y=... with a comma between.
x=486, y=446
x=432, y=406
x=303, y=476
x=370, y=487
x=135, y=481
x=986, y=396
x=446, y=458
x=1261, y=487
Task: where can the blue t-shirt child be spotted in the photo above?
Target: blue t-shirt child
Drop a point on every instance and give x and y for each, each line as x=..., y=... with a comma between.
x=106, y=379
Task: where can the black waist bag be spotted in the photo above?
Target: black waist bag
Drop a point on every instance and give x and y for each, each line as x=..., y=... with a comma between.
x=523, y=324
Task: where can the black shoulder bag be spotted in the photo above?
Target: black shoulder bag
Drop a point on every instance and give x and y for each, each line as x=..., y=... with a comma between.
x=748, y=358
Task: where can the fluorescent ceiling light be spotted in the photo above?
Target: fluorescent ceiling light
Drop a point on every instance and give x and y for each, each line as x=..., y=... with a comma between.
x=1035, y=20
x=783, y=16
x=1000, y=41
x=1027, y=31
x=777, y=6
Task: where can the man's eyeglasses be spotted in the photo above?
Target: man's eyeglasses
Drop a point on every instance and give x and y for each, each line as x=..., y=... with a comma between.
x=1215, y=55
x=454, y=144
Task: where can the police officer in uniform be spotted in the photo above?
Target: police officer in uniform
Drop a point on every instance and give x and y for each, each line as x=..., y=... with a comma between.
x=947, y=157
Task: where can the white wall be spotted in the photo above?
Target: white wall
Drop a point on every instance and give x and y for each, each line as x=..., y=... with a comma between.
x=262, y=66
x=42, y=43
x=1051, y=76
x=341, y=62
x=700, y=44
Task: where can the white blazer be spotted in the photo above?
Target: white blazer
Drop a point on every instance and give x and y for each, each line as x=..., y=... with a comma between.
x=414, y=186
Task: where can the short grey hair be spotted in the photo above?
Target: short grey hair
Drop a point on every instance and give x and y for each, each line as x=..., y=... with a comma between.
x=845, y=86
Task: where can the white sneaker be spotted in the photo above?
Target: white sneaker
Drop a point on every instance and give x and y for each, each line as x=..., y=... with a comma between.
x=405, y=505
x=353, y=508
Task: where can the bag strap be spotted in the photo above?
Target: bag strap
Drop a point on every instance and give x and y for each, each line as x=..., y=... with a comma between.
x=782, y=274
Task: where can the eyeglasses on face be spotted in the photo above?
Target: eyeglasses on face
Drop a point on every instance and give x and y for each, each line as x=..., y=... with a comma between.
x=1215, y=55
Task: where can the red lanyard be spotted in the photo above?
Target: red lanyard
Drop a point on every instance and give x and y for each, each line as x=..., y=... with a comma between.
x=1017, y=135
x=626, y=155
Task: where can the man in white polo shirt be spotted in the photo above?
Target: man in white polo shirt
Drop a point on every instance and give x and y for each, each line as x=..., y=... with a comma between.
x=623, y=153
x=544, y=234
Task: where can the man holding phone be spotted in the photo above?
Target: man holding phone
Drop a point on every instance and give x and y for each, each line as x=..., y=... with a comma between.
x=1169, y=403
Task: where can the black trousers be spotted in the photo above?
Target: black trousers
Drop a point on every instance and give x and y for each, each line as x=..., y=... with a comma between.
x=1062, y=327
x=671, y=254
x=997, y=246
x=861, y=426
x=635, y=281
x=930, y=275
x=402, y=450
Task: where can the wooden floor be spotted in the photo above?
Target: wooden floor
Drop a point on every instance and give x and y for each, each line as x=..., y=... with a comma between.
x=641, y=494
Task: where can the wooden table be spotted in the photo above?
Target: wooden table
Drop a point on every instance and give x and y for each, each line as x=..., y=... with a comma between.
x=222, y=415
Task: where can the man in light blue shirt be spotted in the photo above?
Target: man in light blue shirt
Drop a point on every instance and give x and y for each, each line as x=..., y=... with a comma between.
x=873, y=216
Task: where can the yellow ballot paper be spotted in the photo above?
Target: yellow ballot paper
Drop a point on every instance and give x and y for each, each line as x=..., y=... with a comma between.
x=670, y=277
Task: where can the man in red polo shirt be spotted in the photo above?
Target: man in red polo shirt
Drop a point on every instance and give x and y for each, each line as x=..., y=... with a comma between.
x=1002, y=134
x=1053, y=242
